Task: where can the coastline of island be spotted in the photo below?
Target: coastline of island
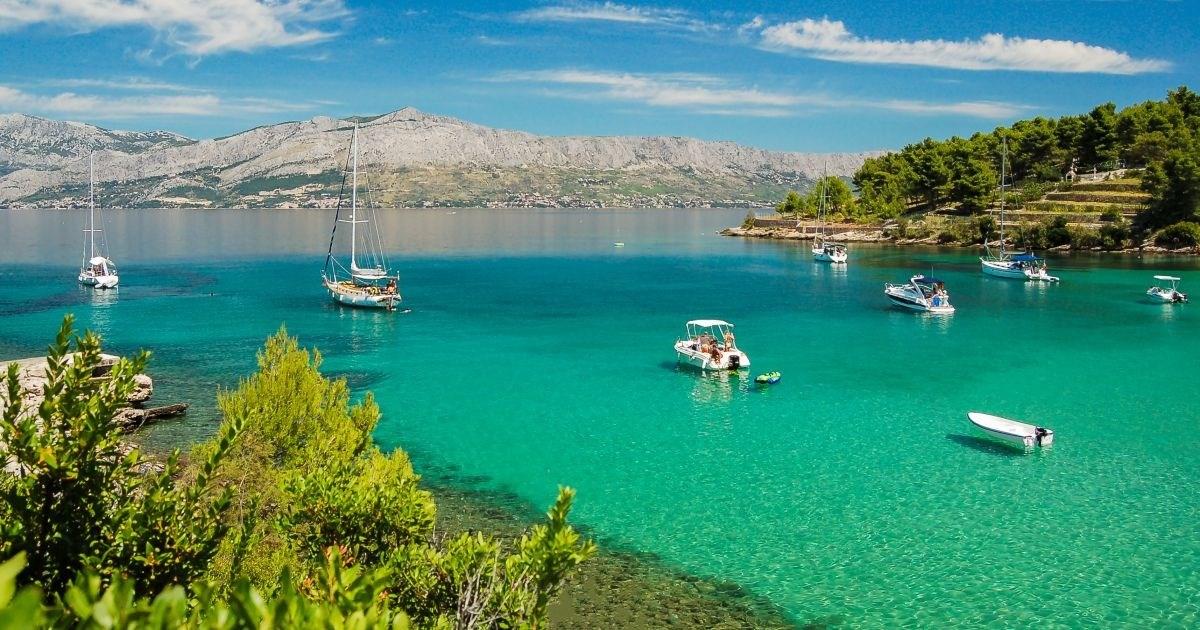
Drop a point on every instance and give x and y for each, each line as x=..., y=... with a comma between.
x=792, y=230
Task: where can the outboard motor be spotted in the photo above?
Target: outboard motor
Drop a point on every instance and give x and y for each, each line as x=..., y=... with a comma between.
x=735, y=361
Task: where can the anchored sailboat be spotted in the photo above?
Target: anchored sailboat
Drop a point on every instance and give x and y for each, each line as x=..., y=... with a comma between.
x=823, y=250
x=370, y=286
x=96, y=270
x=1006, y=264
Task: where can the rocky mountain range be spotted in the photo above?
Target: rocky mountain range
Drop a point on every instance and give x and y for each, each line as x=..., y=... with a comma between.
x=408, y=157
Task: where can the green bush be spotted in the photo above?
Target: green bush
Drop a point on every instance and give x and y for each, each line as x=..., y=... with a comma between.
x=1182, y=234
x=1112, y=213
x=1114, y=236
x=93, y=538
x=82, y=500
x=1084, y=238
x=1056, y=231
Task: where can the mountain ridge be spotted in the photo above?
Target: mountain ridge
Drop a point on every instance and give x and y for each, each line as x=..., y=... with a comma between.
x=422, y=159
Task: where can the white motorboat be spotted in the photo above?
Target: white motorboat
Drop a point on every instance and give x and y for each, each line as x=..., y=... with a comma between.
x=1022, y=433
x=710, y=345
x=1005, y=264
x=368, y=286
x=822, y=249
x=921, y=294
x=1166, y=294
x=97, y=270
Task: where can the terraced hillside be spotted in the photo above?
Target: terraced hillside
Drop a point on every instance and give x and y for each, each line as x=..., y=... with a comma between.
x=1086, y=203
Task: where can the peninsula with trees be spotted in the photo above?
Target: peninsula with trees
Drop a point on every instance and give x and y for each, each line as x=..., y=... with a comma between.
x=1105, y=180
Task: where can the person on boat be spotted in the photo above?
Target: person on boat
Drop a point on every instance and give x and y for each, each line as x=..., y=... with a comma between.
x=391, y=286
x=729, y=340
x=715, y=354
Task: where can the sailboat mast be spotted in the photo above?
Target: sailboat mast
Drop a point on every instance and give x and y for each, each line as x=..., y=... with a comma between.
x=1003, y=174
x=353, y=193
x=91, y=206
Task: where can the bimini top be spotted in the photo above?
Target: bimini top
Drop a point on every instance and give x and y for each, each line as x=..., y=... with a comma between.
x=707, y=323
x=1166, y=278
x=1026, y=257
x=100, y=260
x=924, y=280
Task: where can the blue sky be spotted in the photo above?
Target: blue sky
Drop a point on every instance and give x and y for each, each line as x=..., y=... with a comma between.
x=789, y=76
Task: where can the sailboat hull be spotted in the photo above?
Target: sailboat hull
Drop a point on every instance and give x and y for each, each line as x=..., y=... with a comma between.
x=820, y=255
x=362, y=297
x=100, y=282
x=1002, y=269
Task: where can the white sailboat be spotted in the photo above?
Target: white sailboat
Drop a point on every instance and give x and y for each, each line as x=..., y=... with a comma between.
x=353, y=284
x=823, y=250
x=97, y=270
x=1005, y=264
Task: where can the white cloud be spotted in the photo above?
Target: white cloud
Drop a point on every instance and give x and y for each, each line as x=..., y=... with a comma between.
x=613, y=12
x=974, y=109
x=107, y=107
x=195, y=27
x=138, y=84
x=486, y=40
x=713, y=95
x=697, y=92
x=830, y=40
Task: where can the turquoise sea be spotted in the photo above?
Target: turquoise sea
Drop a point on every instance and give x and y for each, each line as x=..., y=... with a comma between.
x=853, y=491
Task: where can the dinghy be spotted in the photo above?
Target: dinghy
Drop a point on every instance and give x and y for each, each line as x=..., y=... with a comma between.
x=1011, y=430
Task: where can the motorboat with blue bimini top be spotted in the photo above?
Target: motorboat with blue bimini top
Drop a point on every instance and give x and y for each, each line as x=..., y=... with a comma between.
x=709, y=345
x=1027, y=435
x=1160, y=292
x=368, y=285
x=921, y=294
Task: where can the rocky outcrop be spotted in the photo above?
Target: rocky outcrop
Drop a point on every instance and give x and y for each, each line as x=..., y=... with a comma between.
x=31, y=379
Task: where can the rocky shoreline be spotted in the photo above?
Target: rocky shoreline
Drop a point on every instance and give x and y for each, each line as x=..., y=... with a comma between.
x=878, y=234
x=31, y=379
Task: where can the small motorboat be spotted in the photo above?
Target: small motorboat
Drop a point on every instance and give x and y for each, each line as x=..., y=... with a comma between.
x=921, y=294
x=710, y=345
x=770, y=378
x=1012, y=431
x=1166, y=294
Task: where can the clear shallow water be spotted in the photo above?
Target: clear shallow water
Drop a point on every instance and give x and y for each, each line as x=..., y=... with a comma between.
x=538, y=354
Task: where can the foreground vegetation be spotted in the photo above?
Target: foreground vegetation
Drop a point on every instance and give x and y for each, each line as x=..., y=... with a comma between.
x=1155, y=145
x=289, y=517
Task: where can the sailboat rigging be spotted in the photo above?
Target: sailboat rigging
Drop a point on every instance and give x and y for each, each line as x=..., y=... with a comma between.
x=369, y=286
x=96, y=270
x=1003, y=263
x=823, y=250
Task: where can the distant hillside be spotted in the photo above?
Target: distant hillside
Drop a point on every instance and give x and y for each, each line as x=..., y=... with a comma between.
x=410, y=158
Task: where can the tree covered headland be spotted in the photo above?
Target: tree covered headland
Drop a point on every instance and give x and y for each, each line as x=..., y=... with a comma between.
x=1156, y=140
x=290, y=517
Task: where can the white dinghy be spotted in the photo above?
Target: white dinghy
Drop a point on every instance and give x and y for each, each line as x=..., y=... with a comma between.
x=1011, y=430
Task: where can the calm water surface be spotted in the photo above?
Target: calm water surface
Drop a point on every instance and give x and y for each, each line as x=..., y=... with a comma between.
x=854, y=490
